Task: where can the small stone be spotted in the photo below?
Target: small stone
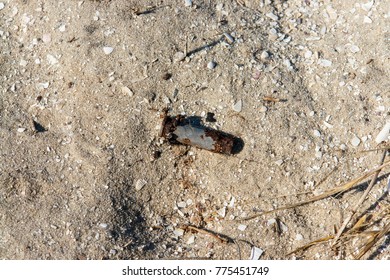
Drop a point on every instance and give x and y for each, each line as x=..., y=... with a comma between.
x=256, y=253
x=108, y=50
x=298, y=237
x=343, y=147
x=211, y=65
x=241, y=227
x=179, y=56
x=113, y=252
x=354, y=49
x=2, y=5
x=238, y=106
x=222, y=212
x=318, y=154
x=191, y=239
x=279, y=162
x=46, y=38
x=127, y=91
x=23, y=63
x=325, y=62
x=263, y=109
x=62, y=28
x=182, y=204
x=21, y=129
x=103, y=225
x=367, y=19
x=178, y=232
x=265, y=55
x=367, y=6
x=51, y=59
x=140, y=184
x=271, y=221
x=229, y=38
x=188, y=3
x=308, y=54
x=232, y=201
x=355, y=141
x=316, y=133
x=384, y=134
x=272, y=16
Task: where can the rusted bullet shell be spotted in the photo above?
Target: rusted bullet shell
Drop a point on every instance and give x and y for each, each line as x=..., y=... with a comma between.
x=181, y=130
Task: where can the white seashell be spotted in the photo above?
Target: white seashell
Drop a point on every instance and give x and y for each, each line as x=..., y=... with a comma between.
x=108, y=50
x=140, y=184
x=383, y=134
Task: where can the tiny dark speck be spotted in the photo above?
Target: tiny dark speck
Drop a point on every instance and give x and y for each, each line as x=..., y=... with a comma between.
x=38, y=127
x=210, y=117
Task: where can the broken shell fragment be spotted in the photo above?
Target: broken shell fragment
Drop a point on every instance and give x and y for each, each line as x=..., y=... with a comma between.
x=188, y=131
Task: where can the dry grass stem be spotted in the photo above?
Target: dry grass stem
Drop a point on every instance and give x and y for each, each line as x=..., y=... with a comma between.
x=340, y=189
x=361, y=200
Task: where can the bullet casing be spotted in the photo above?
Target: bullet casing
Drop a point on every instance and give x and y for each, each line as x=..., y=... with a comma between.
x=180, y=130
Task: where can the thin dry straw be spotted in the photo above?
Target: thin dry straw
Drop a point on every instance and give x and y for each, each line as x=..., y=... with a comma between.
x=361, y=200
x=326, y=194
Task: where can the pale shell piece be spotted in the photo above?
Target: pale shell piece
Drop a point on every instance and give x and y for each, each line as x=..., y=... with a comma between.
x=108, y=50
x=238, y=106
x=140, y=184
x=256, y=253
x=383, y=134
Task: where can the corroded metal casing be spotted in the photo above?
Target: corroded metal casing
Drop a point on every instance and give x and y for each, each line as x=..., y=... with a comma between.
x=180, y=129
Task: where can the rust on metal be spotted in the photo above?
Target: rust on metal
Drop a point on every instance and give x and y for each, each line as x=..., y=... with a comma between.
x=181, y=130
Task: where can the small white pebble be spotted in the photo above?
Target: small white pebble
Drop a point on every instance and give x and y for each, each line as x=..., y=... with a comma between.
x=51, y=59
x=191, y=239
x=211, y=65
x=127, y=91
x=188, y=3
x=367, y=19
x=182, y=204
x=325, y=62
x=384, y=134
x=238, y=106
x=62, y=28
x=2, y=5
x=263, y=109
x=355, y=141
x=279, y=162
x=229, y=38
x=46, y=38
x=178, y=232
x=316, y=133
x=270, y=222
x=222, y=212
x=23, y=63
x=367, y=6
x=178, y=56
x=298, y=237
x=21, y=129
x=354, y=49
x=108, y=50
x=308, y=54
x=343, y=147
x=241, y=227
x=103, y=225
x=272, y=16
x=256, y=253
x=265, y=55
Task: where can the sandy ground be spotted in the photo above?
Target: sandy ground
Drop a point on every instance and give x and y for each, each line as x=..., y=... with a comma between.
x=84, y=174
